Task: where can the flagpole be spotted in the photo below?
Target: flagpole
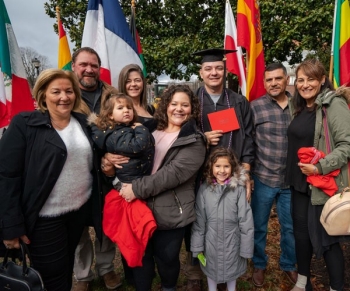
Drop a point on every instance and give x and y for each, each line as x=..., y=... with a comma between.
x=331, y=65
x=58, y=14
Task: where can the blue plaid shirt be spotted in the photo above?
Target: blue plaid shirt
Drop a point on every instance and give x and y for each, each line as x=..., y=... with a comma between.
x=270, y=140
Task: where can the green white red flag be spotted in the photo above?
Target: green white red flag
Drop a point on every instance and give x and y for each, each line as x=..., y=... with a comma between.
x=15, y=95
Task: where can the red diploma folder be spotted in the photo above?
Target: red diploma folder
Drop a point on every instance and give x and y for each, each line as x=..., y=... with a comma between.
x=225, y=120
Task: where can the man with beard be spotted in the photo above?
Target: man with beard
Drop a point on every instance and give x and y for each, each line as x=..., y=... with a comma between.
x=272, y=114
x=86, y=65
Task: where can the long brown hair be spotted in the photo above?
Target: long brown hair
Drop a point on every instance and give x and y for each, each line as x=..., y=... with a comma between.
x=161, y=113
x=124, y=76
x=104, y=121
x=220, y=152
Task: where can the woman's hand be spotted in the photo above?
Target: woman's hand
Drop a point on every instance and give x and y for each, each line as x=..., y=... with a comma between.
x=14, y=243
x=308, y=169
x=107, y=167
x=127, y=193
x=116, y=160
x=136, y=124
x=213, y=137
x=248, y=185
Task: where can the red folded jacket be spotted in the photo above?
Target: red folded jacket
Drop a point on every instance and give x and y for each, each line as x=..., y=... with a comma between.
x=129, y=225
x=310, y=155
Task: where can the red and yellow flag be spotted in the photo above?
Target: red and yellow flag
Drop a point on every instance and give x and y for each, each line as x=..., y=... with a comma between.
x=249, y=36
x=341, y=43
x=64, y=55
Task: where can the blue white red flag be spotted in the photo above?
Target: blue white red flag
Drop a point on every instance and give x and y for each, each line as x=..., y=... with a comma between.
x=107, y=31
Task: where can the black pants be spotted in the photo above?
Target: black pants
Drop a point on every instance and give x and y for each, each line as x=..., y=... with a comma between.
x=163, y=249
x=52, y=247
x=333, y=255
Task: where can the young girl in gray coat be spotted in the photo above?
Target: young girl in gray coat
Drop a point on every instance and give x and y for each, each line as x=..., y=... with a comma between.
x=224, y=229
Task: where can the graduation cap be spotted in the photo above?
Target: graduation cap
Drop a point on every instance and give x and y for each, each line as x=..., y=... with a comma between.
x=213, y=54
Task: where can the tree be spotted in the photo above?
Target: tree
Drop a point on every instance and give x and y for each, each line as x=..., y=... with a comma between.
x=28, y=54
x=171, y=30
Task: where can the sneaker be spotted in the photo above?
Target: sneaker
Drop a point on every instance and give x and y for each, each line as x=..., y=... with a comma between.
x=112, y=280
x=82, y=286
x=194, y=285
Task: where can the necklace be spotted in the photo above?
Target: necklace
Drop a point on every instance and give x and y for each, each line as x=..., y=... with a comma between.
x=57, y=126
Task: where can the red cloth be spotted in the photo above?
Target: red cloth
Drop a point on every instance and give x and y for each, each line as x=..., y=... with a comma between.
x=129, y=225
x=310, y=155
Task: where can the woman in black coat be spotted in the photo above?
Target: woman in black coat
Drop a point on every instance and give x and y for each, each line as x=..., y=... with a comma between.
x=46, y=178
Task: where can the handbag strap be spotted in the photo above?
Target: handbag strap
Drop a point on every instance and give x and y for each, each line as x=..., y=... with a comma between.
x=25, y=253
x=326, y=131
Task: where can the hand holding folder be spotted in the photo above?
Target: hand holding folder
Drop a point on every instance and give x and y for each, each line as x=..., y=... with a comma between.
x=225, y=120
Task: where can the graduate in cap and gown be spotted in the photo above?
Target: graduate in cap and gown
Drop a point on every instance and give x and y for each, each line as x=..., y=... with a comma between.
x=214, y=97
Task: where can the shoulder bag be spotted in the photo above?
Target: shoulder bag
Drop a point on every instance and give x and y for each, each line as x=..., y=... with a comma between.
x=19, y=277
x=335, y=216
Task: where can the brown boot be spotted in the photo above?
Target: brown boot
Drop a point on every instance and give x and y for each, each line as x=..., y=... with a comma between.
x=194, y=285
x=112, y=280
x=82, y=286
x=258, y=277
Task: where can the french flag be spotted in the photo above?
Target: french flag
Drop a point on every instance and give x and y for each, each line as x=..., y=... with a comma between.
x=107, y=32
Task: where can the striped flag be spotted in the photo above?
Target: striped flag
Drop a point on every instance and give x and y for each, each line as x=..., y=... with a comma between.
x=136, y=38
x=107, y=31
x=341, y=43
x=250, y=37
x=234, y=62
x=64, y=55
x=15, y=94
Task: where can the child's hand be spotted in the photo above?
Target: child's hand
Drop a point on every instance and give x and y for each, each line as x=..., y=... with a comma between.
x=136, y=124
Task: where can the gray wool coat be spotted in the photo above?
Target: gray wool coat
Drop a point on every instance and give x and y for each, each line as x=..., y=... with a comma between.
x=224, y=229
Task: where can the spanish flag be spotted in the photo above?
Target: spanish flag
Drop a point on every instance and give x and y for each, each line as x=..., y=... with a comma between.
x=64, y=55
x=341, y=43
x=249, y=36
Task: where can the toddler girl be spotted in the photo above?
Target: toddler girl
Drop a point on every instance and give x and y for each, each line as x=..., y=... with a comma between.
x=115, y=131
x=224, y=229
x=129, y=225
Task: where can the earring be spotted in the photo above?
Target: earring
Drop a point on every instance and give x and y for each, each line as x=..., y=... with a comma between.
x=322, y=84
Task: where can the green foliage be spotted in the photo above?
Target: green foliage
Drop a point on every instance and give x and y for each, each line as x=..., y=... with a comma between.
x=172, y=30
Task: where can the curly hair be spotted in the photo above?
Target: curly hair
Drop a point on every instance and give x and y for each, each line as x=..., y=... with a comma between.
x=165, y=99
x=220, y=152
x=44, y=80
x=312, y=68
x=103, y=120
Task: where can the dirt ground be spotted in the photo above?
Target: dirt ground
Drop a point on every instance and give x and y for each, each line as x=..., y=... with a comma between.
x=275, y=279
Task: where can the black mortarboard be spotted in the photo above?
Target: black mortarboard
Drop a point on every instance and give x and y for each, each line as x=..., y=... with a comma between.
x=213, y=54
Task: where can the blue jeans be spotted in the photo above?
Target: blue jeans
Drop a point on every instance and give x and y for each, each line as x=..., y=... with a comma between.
x=262, y=201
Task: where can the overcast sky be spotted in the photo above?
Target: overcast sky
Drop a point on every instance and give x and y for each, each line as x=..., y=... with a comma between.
x=33, y=27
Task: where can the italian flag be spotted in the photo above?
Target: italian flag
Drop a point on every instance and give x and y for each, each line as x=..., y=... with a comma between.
x=15, y=95
x=341, y=43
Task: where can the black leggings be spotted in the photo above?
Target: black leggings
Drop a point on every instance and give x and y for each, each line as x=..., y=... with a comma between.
x=163, y=249
x=52, y=247
x=333, y=255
